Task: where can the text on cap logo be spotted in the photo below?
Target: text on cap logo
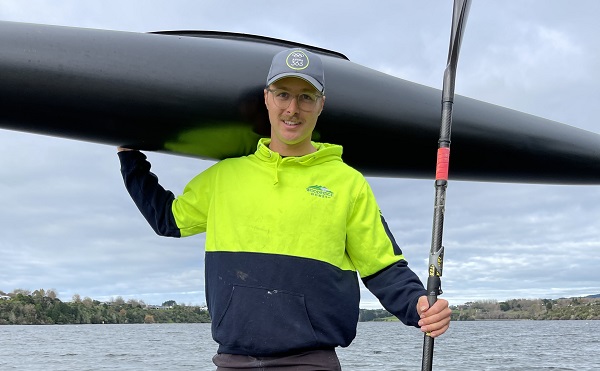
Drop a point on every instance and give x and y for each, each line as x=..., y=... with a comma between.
x=297, y=60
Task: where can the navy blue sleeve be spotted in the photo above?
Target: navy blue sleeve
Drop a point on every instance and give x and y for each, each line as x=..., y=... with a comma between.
x=398, y=289
x=153, y=201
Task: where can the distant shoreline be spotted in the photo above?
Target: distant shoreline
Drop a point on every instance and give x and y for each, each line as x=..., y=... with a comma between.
x=43, y=308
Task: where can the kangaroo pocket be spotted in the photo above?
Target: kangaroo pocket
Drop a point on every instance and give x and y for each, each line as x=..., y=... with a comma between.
x=260, y=321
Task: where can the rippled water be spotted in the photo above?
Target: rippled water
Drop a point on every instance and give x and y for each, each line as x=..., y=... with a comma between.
x=492, y=345
x=489, y=345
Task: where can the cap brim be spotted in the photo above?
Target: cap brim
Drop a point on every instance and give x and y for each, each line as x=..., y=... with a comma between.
x=311, y=80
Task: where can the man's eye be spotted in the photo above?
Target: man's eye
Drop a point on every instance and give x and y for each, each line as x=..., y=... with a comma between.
x=307, y=97
x=283, y=95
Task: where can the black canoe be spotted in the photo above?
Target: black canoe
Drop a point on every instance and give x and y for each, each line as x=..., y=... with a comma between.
x=200, y=94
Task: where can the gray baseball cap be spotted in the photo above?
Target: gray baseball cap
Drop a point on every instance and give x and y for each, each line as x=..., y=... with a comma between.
x=298, y=63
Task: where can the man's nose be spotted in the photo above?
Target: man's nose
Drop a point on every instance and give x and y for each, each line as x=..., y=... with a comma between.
x=294, y=105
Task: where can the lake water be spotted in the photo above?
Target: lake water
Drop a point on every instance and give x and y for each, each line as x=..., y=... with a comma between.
x=379, y=346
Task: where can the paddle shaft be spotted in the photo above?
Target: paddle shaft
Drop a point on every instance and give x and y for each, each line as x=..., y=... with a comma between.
x=436, y=255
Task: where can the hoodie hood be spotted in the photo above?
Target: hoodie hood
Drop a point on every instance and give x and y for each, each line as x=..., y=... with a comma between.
x=325, y=152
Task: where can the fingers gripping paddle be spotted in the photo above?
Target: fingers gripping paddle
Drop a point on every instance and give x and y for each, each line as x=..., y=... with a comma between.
x=436, y=255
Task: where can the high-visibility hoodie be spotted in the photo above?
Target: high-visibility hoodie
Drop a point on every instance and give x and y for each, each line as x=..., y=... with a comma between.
x=285, y=238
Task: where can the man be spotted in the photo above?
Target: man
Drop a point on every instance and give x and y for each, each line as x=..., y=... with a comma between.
x=287, y=228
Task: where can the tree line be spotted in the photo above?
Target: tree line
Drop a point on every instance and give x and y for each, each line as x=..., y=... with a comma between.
x=586, y=308
x=42, y=307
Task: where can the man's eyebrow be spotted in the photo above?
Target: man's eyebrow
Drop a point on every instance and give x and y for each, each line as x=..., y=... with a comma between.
x=303, y=90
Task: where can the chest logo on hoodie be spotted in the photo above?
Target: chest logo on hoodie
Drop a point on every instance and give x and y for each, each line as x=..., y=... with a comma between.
x=319, y=191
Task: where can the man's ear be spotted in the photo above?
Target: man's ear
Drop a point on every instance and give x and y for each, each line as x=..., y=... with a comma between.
x=265, y=92
x=322, y=105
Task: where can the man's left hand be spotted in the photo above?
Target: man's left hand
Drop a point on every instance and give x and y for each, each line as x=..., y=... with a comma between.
x=435, y=320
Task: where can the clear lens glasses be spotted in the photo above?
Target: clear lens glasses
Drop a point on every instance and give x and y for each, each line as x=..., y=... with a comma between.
x=306, y=101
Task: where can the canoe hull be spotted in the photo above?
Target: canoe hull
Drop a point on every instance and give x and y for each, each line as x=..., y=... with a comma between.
x=200, y=94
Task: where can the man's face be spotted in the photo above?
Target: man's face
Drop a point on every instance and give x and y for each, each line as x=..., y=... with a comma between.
x=292, y=115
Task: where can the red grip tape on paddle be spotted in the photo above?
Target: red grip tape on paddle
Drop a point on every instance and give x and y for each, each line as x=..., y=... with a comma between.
x=443, y=160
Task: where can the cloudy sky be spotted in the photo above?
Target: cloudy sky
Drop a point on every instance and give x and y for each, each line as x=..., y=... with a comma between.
x=66, y=222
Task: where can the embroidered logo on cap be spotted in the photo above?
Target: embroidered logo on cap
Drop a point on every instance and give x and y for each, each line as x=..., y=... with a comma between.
x=297, y=60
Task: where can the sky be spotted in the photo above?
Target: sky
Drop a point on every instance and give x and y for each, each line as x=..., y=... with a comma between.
x=67, y=223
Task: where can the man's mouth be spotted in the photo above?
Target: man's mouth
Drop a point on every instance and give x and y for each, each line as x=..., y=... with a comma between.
x=291, y=123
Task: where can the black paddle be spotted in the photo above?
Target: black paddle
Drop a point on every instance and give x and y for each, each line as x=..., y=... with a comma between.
x=436, y=255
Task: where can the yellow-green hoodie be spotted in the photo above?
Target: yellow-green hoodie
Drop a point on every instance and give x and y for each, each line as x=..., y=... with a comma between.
x=285, y=238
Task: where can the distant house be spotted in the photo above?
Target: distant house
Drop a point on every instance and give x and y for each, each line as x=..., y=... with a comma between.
x=4, y=297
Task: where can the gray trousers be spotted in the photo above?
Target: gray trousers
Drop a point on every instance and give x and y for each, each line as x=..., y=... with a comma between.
x=315, y=360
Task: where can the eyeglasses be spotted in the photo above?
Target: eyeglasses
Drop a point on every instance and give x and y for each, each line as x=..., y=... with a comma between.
x=306, y=101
